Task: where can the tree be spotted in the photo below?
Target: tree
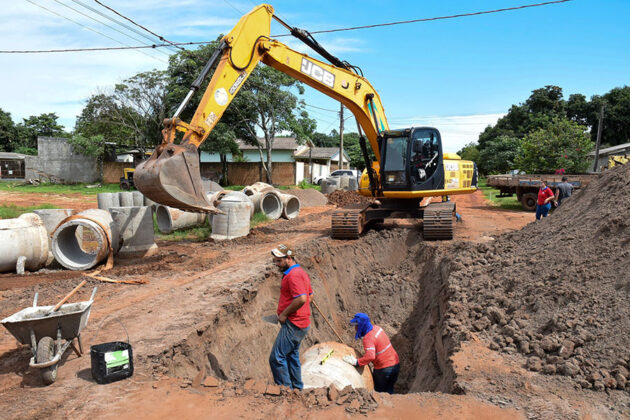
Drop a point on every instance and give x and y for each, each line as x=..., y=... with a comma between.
x=88, y=146
x=8, y=132
x=44, y=125
x=101, y=116
x=469, y=152
x=563, y=144
x=499, y=155
x=616, y=129
x=267, y=92
x=131, y=113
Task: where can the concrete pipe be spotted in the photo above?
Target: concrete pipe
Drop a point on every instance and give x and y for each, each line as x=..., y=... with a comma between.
x=257, y=187
x=214, y=197
x=51, y=219
x=334, y=371
x=234, y=221
x=76, y=254
x=290, y=206
x=237, y=196
x=267, y=203
x=25, y=236
x=107, y=200
x=135, y=227
x=137, y=198
x=329, y=185
x=170, y=219
x=126, y=199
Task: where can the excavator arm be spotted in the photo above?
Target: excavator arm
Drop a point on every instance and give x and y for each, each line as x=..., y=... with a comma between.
x=172, y=177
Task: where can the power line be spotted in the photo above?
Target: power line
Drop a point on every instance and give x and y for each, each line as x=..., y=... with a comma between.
x=62, y=50
x=93, y=30
x=177, y=44
x=111, y=19
x=323, y=109
x=485, y=12
x=102, y=23
x=161, y=38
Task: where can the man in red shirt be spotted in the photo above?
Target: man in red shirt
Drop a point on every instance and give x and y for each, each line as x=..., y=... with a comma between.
x=543, y=205
x=294, y=313
x=379, y=351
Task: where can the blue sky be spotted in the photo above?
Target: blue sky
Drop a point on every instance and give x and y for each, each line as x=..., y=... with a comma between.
x=458, y=75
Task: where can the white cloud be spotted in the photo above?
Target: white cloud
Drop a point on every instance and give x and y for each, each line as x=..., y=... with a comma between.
x=456, y=130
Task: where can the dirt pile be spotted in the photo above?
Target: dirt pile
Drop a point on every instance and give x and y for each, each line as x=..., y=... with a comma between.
x=343, y=198
x=556, y=291
x=309, y=197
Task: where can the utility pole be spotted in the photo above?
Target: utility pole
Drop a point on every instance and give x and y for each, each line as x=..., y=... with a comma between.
x=599, y=136
x=341, y=137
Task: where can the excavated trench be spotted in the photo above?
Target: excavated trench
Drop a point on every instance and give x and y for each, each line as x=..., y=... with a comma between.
x=393, y=275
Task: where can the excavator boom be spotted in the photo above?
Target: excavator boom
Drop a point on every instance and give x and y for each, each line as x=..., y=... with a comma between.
x=171, y=176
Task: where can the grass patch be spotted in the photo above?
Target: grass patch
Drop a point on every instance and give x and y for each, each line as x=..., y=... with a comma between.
x=200, y=233
x=9, y=211
x=59, y=188
x=492, y=194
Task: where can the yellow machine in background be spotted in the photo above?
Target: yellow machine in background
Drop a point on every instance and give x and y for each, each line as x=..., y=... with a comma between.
x=410, y=163
x=617, y=160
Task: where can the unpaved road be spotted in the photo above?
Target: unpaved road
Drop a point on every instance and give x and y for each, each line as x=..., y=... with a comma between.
x=196, y=287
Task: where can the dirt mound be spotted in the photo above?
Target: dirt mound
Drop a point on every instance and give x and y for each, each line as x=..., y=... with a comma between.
x=556, y=291
x=343, y=198
x=309, y=197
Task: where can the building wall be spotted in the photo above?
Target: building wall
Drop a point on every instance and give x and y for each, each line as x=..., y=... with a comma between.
x=250, y=155
x=57, y=160
x=246, y=173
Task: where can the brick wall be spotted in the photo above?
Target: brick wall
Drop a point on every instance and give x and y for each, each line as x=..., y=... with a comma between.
x=247, y=173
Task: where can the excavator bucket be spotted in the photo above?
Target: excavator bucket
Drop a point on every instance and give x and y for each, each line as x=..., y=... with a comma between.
x=171, y=177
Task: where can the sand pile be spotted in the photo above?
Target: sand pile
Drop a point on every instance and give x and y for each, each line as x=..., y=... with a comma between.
x=556, y=291
x=308, y=197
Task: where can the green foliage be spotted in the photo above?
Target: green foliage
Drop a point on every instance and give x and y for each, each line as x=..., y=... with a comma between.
x=258, y=218
x=103, y=116
x=498, y=155
x=470, y=152
x=239, y=158
x=44, y=125
x=305, y=185
x=8, y=132
x=88, y=145
x=563, y=144
x=10, y=211
x=26, y=150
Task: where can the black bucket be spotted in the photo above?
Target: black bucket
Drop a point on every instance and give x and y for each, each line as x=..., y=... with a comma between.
x=111, y=361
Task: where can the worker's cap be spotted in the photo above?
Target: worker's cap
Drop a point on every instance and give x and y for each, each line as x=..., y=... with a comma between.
x=282, y=251
x=359, y=318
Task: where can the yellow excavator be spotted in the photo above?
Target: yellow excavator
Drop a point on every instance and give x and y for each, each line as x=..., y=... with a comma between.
x=410, y=166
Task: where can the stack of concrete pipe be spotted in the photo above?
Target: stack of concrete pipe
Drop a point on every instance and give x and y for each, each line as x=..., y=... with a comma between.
x=52, y=218
x=121, y=199
x=344, y=182
x=272, y=202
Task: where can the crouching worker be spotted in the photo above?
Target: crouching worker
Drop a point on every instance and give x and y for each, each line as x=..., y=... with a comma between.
x=294, y=313
x=378, y=350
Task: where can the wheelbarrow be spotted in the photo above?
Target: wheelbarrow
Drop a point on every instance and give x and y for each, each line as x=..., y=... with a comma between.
x=44, y=329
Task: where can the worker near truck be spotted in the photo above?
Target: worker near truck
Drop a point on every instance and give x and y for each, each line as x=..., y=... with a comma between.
x=563, y=191
x=545, y=195
x=378, y=350
x=294, y=315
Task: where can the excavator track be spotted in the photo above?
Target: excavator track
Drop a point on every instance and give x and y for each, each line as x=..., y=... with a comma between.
x=438, y=221
x=347, y=224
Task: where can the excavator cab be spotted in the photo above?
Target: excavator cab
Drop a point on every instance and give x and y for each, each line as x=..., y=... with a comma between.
x=412, y=160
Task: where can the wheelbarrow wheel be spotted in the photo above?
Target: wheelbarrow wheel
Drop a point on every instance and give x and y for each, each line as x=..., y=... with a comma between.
x=45, y=353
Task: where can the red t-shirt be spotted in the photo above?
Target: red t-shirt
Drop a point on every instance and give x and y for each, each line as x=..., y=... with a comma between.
x=543, y=195
x=378, y=349
x=296, y=283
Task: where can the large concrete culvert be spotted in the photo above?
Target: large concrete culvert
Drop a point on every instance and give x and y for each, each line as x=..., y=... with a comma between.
x=392, y=275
